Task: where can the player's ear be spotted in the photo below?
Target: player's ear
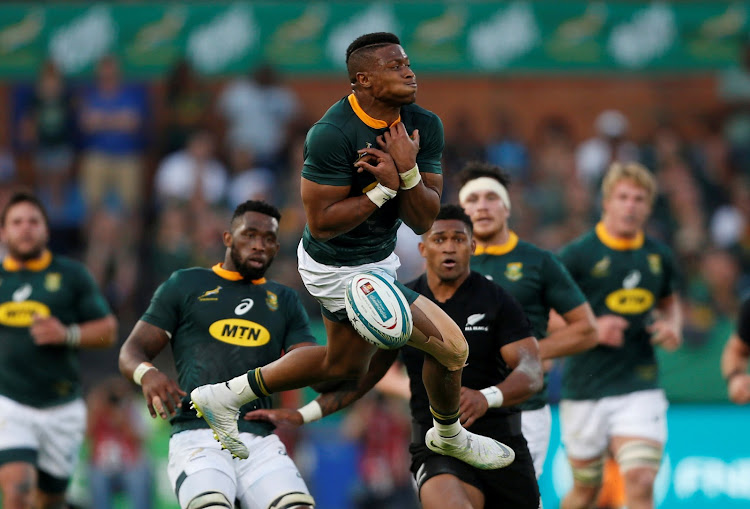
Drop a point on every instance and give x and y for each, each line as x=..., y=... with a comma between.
x=473, y=245
x=421, y=249
x=227, y=238
x=363, y=79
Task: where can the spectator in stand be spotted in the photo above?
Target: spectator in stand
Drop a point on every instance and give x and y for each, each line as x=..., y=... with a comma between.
x=386, y=481
x=249, y=181
x=610, y=144
x=113, y=120
x=188, y=103
x=48, y=125
x=117, y=430
x=192, y=176
x=258, y=111
x=506, y=149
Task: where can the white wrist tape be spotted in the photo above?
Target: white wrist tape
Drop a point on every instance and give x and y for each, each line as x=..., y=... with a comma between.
x=380, y=194
x=494, y=396
x=142, y=369
x=311, y=412
x=73, y=335
x=410, y=178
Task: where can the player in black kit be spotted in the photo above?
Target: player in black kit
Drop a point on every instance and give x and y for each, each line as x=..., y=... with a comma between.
x=502, y=370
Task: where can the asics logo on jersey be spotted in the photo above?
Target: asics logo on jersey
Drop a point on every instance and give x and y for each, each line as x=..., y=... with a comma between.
x=22, y=293
x=632, y=279
x=244, y=306
x=210, y=294
x=473, y=320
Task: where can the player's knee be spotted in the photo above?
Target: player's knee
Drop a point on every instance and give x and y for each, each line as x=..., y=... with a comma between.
x=457, y=353
x=294, y=500
x=639, y=455
x=588, y=477
x=210, y=500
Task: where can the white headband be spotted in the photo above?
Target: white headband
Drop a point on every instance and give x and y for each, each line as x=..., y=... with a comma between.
x=484, y=184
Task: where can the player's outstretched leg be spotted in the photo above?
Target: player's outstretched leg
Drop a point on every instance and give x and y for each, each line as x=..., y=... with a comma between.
x=481, y=452
x=220, y=407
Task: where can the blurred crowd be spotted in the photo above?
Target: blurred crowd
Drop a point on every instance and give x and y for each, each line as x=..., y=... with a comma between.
x=140, y=181
x=136, y=198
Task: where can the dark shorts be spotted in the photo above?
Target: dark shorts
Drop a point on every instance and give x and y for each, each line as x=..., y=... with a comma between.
x=340, y=316
x=513, y=487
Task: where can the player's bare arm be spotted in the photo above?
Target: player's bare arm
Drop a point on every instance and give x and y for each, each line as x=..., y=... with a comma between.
x=571, y=333
x=163, y=395
x=525, y=380
x=330, y=211
x=666, y=330
x=99, y=333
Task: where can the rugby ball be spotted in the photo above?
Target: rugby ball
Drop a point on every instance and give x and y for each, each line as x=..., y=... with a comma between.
x=378, y=310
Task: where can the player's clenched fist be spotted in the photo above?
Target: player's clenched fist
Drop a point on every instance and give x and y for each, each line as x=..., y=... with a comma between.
x=473, y=405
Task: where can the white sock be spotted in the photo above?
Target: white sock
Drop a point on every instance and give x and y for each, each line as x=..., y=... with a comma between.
x=449, y=431
x=240, y=386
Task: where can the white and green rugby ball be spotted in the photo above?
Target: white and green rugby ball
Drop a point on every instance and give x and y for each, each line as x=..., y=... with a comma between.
x=378, y=310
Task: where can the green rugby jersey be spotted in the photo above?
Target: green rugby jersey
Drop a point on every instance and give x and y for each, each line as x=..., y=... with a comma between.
x=625, y=278
x=43, y=376
x=537, y=280
x=222, y=326
x=330, y=153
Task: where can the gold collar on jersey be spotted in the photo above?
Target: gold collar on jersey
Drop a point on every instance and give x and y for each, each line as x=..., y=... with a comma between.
x=618, y=243
x=499, y=249
x=367, y=119
x=233, y=276
x=35, y=265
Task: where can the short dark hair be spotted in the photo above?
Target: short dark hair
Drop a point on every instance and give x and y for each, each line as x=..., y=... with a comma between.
x=451, y=211
x=476, y=169
x=255, y=206
x=363, y=46
x=21, y=197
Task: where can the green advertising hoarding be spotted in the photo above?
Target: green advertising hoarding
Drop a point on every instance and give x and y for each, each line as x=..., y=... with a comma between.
x=311, y=37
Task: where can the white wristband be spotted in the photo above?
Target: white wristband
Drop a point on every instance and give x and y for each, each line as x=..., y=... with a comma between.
x=142, y=369
x=73, y=335
x=380, y=194
x=494, y=396
x=410, y=178
x=311, y=411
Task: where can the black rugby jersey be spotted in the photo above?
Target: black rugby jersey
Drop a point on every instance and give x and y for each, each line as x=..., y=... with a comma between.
x=490, y=318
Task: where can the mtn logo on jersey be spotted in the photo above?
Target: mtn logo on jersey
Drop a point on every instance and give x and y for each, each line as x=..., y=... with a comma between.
x=513, y=271
x=210, y=294
x=21, y=314
x=630, y=300
x=236, y=331
x=473, y=320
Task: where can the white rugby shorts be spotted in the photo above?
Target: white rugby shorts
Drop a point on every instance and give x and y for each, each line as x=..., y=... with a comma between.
x=197, y=464
x=54, y=433
x=588, y=425
x=327, y=283
x=536, y=426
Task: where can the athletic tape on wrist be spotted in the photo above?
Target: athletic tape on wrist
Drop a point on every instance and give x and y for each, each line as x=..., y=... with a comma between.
x=494, y=396
x=380, y=194
x=311, y=412
x=410, y=178
x=142, y=369
x=73, y=335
